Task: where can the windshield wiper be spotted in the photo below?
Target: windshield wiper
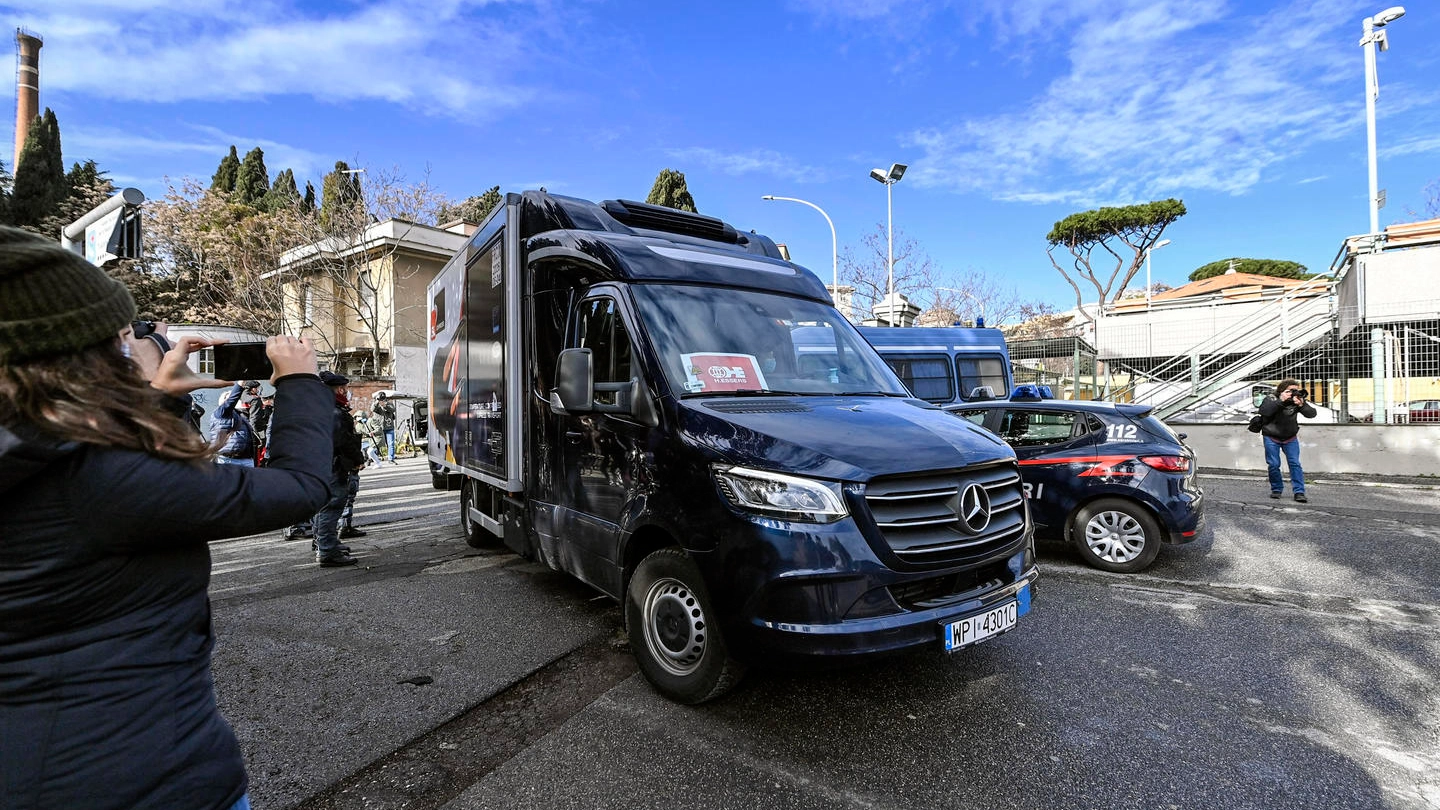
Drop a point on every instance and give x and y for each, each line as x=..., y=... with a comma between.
x=763, y=392
x=868, y=394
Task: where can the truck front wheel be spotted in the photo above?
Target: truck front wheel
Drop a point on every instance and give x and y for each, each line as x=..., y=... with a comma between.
x=673, y=631
x=475, y=534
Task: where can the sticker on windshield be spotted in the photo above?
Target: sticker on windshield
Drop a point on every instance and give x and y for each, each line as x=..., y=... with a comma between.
x=713, y=372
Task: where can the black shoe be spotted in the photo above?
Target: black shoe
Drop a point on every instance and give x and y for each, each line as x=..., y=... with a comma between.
x=342, y=548
x=351, y=531
x=337, y=562
x=1300, y=498
x=1275, y=496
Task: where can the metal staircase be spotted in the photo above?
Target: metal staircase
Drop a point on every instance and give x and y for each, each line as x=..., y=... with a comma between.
x=1289, y=323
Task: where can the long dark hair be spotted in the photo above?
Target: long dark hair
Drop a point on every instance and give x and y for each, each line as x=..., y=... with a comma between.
x=96, y=396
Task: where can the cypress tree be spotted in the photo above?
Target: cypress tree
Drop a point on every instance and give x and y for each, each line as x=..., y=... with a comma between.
x=5, y=179
x=340, y=196
x=282, y=193
x=253, y=180
x=670, y=191
x=225, y=174
x=307, y=203
x=40, y=176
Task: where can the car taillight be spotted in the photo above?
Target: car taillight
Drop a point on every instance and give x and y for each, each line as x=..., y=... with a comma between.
x=1167, y=463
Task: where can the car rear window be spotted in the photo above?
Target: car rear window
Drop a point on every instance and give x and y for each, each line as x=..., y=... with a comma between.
x=1154, y=426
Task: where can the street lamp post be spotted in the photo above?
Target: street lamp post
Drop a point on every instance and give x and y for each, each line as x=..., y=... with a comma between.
x=834, y=252
x=978, y=301
x=889, y=179
x=1373, y=30
x=1162, y=243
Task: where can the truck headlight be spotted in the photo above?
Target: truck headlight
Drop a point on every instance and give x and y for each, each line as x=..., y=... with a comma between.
x=783, y=496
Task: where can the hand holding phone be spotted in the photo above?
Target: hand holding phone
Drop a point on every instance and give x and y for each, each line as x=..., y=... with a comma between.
x=242, y=361
x=288, y=355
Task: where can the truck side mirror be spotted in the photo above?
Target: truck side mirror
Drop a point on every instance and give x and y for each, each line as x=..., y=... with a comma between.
x=574, y=383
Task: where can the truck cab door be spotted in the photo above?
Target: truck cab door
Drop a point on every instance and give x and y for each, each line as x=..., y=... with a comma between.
x=597, y=452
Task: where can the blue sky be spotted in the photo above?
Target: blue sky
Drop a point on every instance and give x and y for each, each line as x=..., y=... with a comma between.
x=1010, y=113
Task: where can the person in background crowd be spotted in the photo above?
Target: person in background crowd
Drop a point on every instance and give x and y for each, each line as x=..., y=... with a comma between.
x=231, y=431
x=107, y=503
x=260, y=413
x=347, y=462
x=1281, y=433
x=385, y=409
x=363, y=426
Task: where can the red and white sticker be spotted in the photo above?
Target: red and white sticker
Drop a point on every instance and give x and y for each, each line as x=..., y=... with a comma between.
x=716, y=372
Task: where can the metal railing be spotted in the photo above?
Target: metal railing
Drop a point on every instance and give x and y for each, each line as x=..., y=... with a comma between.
x=1295, y=319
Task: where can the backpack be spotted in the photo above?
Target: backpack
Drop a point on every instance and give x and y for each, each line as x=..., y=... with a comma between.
x=1257, y=423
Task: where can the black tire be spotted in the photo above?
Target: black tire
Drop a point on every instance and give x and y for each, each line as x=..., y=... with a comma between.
x=673, y=630
x=1114, y=534
x=475, y=535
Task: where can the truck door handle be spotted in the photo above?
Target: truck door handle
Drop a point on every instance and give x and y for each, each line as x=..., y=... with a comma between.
x=574, y=435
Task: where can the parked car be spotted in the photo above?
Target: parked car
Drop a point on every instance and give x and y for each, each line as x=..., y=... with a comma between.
x=1425, y=410
x=1110, y=478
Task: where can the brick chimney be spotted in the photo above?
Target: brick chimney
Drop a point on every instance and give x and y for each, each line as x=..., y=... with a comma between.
x=27, y=87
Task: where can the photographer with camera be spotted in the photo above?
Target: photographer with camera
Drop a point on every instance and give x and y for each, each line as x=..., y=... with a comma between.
x=1281, y=433
x=107, y=503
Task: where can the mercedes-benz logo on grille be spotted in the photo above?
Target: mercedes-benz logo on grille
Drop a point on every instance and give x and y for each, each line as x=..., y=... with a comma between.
x=974, y=512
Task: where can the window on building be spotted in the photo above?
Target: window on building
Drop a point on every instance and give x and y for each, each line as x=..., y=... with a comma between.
x=205, y=361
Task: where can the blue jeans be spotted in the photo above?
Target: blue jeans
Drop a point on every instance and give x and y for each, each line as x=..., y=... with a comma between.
x=369, y=448
x=238, y=462
x=243, y=803
x=1292, y=460
x=390, y=442
x=327, y=520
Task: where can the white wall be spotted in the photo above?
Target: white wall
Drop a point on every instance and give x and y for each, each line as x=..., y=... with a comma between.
x=1371, y=449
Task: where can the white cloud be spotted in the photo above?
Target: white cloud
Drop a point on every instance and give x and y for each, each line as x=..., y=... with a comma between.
x=403, y=51
x=756, y=161
x=1412, y=146
x=116, y=147
x=1161, y=97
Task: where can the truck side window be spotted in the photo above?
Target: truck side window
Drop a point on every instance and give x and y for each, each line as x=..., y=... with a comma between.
x=927, y=377
x=981, y=372
x=602, y=331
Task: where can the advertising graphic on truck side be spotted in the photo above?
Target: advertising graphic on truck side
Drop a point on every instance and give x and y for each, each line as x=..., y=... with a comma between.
x=621, y=392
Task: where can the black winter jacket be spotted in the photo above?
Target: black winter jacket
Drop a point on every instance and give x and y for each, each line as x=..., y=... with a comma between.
x=1281, y=423
x=349, y=451
x=106, y=699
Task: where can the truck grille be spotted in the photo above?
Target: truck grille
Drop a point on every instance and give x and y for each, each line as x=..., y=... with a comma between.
x=940, y=519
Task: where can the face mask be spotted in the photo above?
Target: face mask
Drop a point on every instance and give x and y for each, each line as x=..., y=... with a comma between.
x=125, y=348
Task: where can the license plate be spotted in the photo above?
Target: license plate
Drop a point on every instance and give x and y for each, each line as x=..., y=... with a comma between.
x=977, y=628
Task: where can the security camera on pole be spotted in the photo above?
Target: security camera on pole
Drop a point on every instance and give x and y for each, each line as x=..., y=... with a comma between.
x=889, y=179
x=111, y=230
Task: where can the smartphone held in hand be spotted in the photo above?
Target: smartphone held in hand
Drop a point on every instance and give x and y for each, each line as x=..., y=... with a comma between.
x=242, y=361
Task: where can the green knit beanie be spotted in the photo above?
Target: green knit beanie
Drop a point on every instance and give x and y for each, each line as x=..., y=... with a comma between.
x=52, y=301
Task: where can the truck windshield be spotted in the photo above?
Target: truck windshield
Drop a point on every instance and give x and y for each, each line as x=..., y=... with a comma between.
x=714, y=341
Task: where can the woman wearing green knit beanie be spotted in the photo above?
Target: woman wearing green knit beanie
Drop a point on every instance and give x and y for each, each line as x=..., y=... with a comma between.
x=106, y=508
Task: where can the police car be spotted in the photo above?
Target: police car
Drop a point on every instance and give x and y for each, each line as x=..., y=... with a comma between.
x=1109, y=477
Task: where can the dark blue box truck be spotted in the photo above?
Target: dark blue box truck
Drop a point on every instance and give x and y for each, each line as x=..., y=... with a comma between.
x=617, y=388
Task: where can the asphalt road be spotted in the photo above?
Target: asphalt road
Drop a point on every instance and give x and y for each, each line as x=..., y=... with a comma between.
x=1286, y=658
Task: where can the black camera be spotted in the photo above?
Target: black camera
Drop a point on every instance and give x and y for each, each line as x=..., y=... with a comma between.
x=1300, y=393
